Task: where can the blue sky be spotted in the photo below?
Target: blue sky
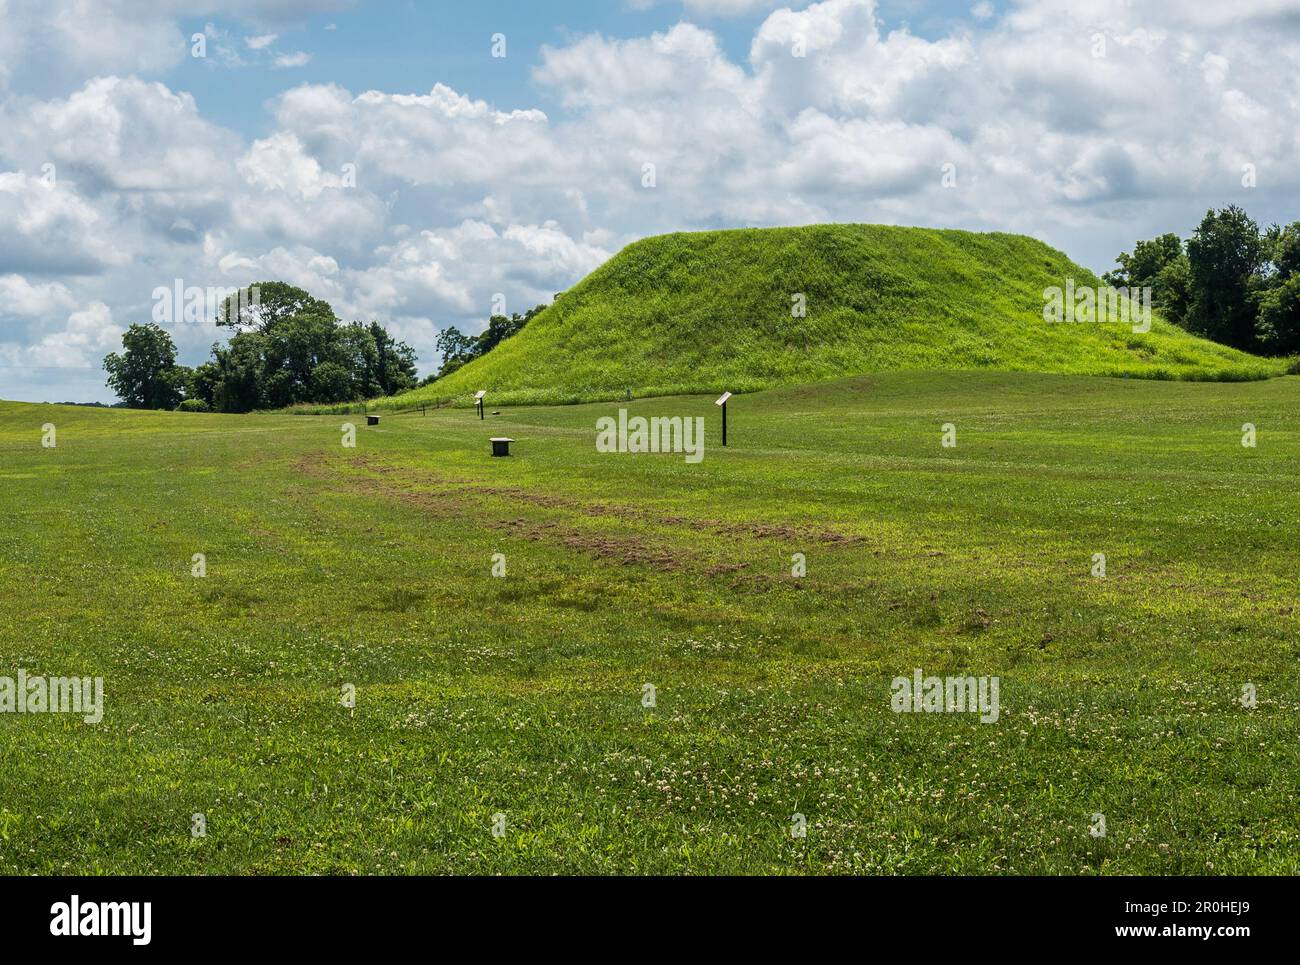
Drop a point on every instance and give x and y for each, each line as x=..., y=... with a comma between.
x=401, y=45
x=404, y=45
x=377, y=155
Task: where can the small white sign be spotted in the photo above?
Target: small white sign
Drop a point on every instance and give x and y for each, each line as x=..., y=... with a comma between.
x=723, y=400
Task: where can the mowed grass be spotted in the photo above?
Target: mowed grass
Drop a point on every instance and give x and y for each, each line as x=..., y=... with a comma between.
x=716, y=310
x=522, y=695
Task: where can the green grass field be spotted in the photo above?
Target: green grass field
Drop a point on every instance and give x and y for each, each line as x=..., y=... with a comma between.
x=713, y=310
x=522, y=695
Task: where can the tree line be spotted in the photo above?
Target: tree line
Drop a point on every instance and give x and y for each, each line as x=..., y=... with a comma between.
x=288, y=347
x=1230, y=282
x=458, y=349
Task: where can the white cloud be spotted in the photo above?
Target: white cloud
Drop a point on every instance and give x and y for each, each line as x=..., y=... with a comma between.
x=87, y=336
x=298, y=59
x=49, y=228
x=20, y=298
x=455, y=273
x=416, y=208
x=124, y=134
x=595, y=72
x=279, y=162
x=46, y=45
x=50, y=47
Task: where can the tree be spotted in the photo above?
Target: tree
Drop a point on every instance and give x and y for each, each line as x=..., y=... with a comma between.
x=1226, y=260
x=499, y=328
x=395, y=368
x=263, y=305
x=331, y=382
x=289, y=347
x=294, y=347
x=356, y=351
x=1232, y=283
x=241, y=372
x=1278, y=324
x=1161, y=265
x=456, y=349
x=145, y=375
x=204, y=381
x=1146, y=262
x=1282, y=246
x=1171, y=291
x=378, y=364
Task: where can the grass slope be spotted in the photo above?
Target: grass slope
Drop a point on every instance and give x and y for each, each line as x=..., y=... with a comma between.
x=522, y=694
x=703, y=312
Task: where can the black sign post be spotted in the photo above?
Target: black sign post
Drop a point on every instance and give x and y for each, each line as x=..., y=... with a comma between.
x=478, y=400
x=723, y=402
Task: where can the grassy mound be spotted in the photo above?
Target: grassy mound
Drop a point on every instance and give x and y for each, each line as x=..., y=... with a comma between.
x=703, y=312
